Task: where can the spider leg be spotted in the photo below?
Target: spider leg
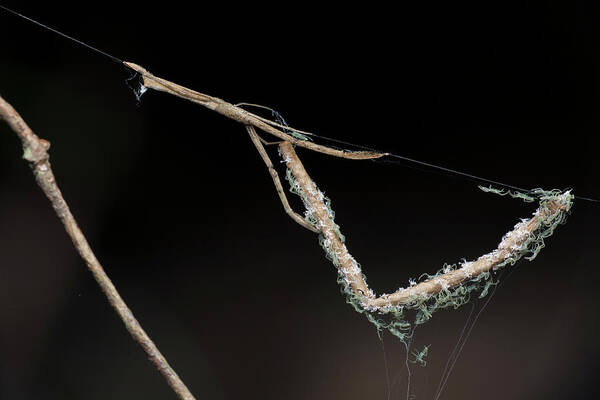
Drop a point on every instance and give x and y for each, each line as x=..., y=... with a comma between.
x=275, y=176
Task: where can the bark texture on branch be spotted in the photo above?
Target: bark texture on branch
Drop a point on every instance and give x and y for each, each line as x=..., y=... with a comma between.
x=511, y=247
x=35, y=151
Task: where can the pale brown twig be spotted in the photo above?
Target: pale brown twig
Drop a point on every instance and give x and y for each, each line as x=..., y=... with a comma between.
x=350, y=270
x=35, y=151
x=240, y=115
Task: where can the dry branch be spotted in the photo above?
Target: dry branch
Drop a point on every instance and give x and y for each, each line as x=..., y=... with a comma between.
x=509, y=248
x=240, y=115
x=35, y=151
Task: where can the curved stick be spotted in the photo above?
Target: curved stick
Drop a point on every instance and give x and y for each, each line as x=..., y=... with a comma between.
x=509, y=250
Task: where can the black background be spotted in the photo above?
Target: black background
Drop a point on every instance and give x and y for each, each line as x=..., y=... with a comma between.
x=184, y=217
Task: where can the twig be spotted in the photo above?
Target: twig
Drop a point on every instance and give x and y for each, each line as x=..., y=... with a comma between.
x=240, y=115
x=35, y=151
x=510, y=247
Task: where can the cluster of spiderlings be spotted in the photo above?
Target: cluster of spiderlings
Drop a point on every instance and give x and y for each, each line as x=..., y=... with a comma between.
x=482, y=283
x=426, y=306
x=401, y=320
x=535, y=242
x=354, y=299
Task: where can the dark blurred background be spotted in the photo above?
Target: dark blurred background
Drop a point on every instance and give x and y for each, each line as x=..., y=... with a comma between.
x=183, y=215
